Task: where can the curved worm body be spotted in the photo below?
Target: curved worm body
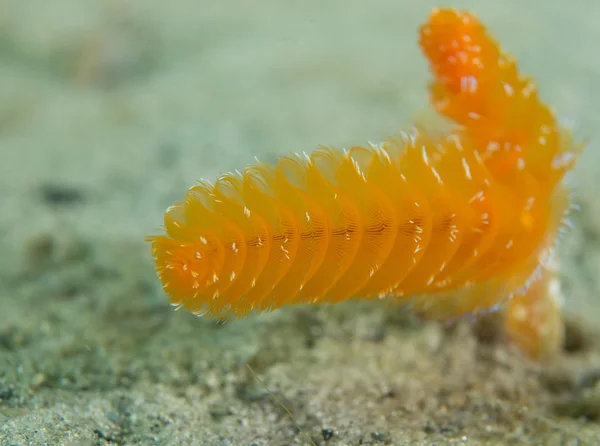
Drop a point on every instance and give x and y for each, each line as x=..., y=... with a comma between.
x=450, y=223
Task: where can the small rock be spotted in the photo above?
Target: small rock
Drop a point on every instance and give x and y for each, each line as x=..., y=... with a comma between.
x=378, y=436
x=327, y=434
x=219, y=411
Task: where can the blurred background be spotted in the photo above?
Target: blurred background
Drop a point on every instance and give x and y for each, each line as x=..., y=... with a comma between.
x=111, y=109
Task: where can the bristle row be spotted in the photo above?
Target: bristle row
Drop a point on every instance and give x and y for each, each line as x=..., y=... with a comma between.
x=411, y=216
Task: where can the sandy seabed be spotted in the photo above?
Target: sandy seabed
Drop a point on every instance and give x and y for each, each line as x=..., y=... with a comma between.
x=110, y=110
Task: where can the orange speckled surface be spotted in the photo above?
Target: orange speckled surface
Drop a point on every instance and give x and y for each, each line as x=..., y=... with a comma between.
x=109, y=109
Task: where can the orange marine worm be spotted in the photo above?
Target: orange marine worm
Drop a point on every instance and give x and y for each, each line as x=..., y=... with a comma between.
x=449, y=223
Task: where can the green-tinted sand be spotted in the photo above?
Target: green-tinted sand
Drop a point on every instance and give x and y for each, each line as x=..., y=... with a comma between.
x=110, y=110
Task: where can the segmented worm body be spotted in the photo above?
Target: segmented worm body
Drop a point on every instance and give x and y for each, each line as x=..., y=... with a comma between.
x=450, y=223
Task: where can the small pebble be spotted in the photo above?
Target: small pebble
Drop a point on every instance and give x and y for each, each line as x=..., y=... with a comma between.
x=327, y=434
x=61, y=195
x=219, y=411
x=377, y=436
